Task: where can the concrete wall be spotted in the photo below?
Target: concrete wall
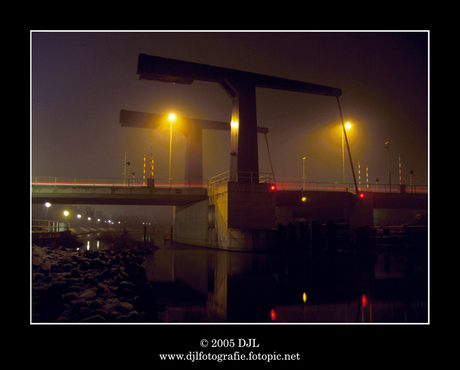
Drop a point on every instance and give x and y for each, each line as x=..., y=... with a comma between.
x=237, y=216
x=243, y=213
x=191, y=225
x=251, y=206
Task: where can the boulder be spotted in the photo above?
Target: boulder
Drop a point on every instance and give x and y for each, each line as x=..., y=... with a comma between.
x=133, y=316
x=70, y=297
x=95, y=318
x=113, y=304
x=128, y=307
x=88, y=294
x=96, y=304
x=121, y=318
x=127, y=285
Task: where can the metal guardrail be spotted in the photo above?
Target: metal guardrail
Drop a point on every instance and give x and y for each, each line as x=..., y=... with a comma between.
x=49, y=226
x=119, y=182
x=350, y=187
x=227, y=176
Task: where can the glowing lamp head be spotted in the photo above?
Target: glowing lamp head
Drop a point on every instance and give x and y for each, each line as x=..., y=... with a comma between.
x=273, y=187
x=347, y=126
x=362, y=195
x=172, y=117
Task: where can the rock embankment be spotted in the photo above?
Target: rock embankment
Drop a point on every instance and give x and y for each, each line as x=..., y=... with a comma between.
x=83, y=287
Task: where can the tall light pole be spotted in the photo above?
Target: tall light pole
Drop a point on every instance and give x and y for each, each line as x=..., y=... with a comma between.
x=172, y=118
x=387, y=146
x=124, y=171
x=347, y=127
x=303, y=172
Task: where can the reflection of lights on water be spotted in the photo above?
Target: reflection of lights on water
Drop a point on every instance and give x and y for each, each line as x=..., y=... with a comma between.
x=97, y=244
x=87, y=245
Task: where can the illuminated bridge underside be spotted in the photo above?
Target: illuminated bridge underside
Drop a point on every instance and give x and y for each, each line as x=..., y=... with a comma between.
x=117, y=195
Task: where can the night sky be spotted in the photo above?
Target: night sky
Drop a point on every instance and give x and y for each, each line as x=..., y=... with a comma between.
x=81, y=80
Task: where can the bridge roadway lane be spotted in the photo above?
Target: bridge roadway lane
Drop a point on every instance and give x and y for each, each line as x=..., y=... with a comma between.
x=117, y=195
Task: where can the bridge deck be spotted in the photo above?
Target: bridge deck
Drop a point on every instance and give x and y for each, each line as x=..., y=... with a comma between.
x=117, y=195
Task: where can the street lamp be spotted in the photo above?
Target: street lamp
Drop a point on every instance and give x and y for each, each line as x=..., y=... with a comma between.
x=172, y=119
x=347, y=127
x=47, y=205
x=66, y=213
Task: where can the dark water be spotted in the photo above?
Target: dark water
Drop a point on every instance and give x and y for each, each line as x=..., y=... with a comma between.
x=205, y=285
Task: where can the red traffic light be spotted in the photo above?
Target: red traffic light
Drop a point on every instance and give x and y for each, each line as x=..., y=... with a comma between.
x=362, y=195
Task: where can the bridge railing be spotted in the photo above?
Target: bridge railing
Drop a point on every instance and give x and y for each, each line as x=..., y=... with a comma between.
x=334, y=186
x=74, y=181
x=261, y=177
x=49, y=226
x=225, y=177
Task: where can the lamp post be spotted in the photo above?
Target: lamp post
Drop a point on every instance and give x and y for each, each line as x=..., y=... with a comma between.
x=172, y=118
x=347, y=127
x=303, y=172
x=387, y=146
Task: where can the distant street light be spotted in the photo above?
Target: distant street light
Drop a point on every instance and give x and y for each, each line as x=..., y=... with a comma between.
x=387, y=146
x=66, y=213
x=47, y=205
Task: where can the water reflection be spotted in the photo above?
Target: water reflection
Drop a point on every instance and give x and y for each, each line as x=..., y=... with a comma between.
x=90, y=243
x=205, y=285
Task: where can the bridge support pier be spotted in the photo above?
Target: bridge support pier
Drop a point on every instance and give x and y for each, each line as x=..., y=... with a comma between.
x=237, y=216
